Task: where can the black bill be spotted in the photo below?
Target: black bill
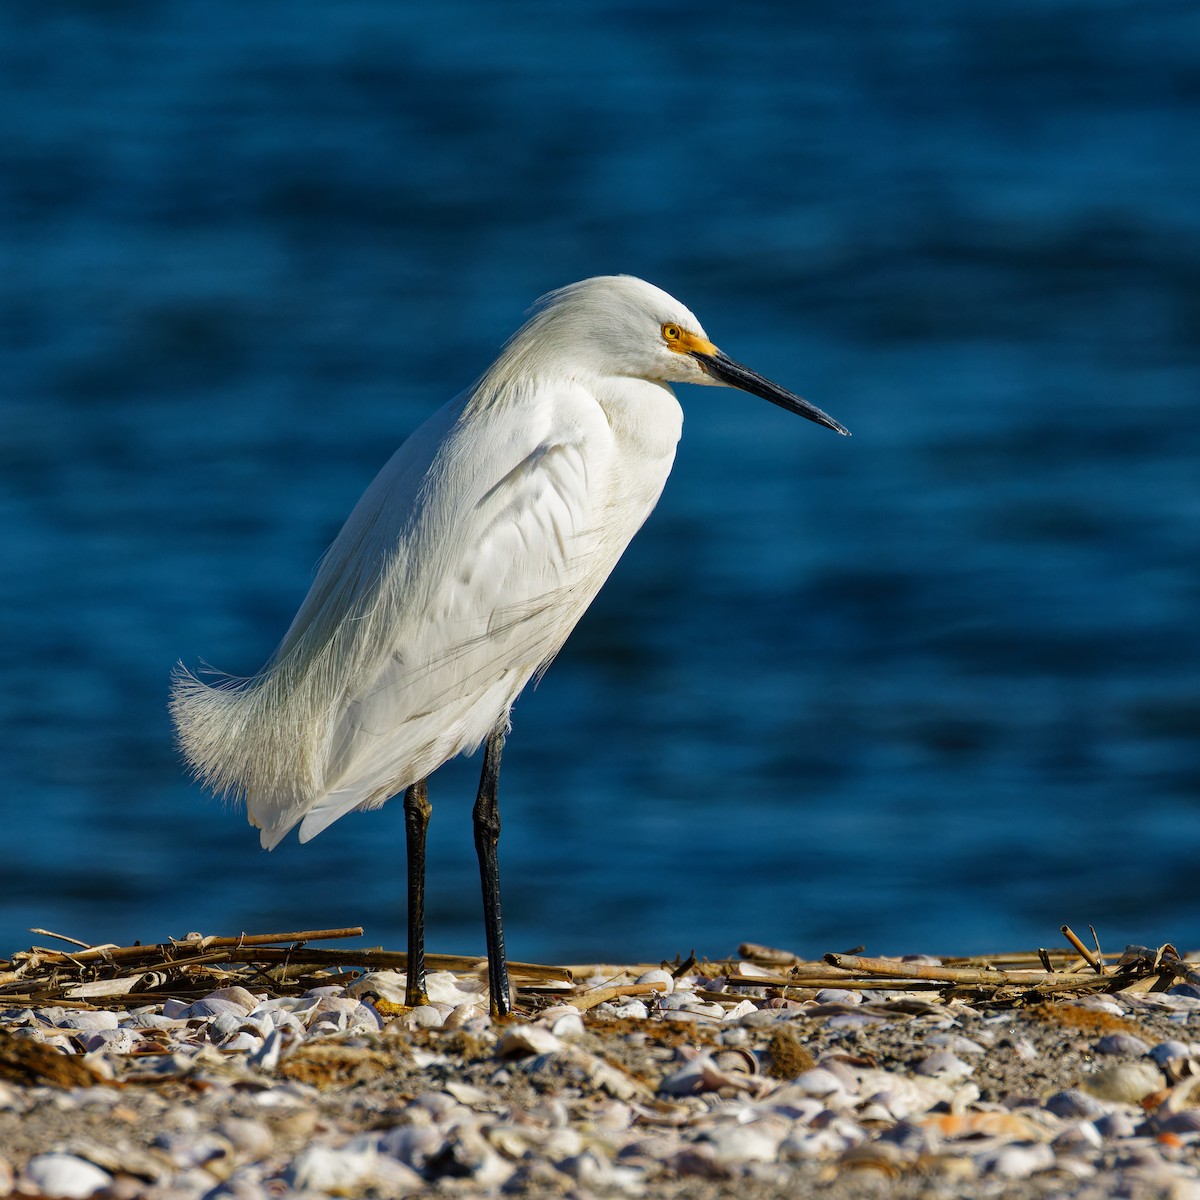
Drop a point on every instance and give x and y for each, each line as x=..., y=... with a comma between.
x=723, y=368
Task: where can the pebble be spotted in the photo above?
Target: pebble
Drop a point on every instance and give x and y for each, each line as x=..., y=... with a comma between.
x=1122, y=1043
x=901, y=1084
x=1164, y=1052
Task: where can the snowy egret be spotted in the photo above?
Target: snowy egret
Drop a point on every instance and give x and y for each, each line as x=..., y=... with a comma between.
x=458, y=577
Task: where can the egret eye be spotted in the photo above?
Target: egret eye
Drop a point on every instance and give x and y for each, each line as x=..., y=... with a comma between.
x=671, y=333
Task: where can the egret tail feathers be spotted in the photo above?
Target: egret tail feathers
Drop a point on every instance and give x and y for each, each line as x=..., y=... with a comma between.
x=244, y=741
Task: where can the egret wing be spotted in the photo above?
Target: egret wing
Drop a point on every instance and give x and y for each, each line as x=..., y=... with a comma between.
x=499, y=553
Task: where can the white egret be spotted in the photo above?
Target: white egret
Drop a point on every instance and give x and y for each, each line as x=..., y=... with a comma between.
x=458, y=577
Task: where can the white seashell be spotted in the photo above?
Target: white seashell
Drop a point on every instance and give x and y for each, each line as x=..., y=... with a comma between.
x=152, y=1020
x=706, y=1008
x=223, y=1026
x=819, y=1082
x=466, y=1094
x=242, y=1043
x=343, y=1172
x=746, y=1143
x=700, y=1073
x=424, y=1016
x=266, y=1057
x=849, y=1077
x=1081, y=1137
x=562, y=1143
x=955, y=1043
x=659, y=976
x=965, y=1095
x=261, y=1025
x=552, y=1113
x=596, y=1174
x=471, y=1012
x=391, y=985
x=680, y=998
x=795, y=1105
x=905, y=1097
x=513, y=1142
x=764, y=1018
x=343, y=1005
x=1125, y=1082
x=424, y=1059
x=1115, y=1125
x=1076, y=1103
x=63, y=1175
x=442, y=987
x=289, y=1004
x=193, y=1149
x=250, y=1139
x=737, y=1058
x=873, y=1111
x=605, y=1076
x=942, y=1064
x=631, y=1010
x=413, y=1145
x=1024, y=1049
x=838, y=996
x=742, y=1009
x=749, y=970
x=820, y=1143
x=289, y=1096
x=113, y=1041
x=911, y=1138
x=89, y=1021
x=523, y=1040
x=563, y=1021
x=470, y=1155
x=854, y=1021
x=1105, y=1004
x=213, y=1006
x=239, y=995
x=363, y=1018
x=326, y=1024
x=1018, y=1161
x=447, y=988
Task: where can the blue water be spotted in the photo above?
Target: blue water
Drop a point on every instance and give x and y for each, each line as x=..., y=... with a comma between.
x=935, y=687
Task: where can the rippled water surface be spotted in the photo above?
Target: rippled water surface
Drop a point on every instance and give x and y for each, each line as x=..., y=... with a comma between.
x=934, y=687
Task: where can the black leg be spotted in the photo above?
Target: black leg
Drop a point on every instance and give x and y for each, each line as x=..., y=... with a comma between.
x=487, y=835
x=416, y=821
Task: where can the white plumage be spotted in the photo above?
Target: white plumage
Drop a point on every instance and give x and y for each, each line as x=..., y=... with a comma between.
x=465, y=565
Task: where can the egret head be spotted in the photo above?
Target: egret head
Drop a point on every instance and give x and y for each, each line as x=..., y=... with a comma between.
x=621, y=325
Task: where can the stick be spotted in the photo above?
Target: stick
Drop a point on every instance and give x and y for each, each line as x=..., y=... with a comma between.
x=599, y=995
x=898, y=970
x=1084, y=953
x=127, y=953
x=62, y=937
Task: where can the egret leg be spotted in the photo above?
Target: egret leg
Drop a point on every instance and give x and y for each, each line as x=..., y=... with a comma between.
x=486, y=818
x=416, y=821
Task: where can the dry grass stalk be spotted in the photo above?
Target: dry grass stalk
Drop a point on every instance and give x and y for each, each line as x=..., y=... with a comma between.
x=127, y=976
x=285, y=964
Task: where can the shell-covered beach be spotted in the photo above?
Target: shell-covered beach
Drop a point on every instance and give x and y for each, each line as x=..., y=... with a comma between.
x=232, y=1067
